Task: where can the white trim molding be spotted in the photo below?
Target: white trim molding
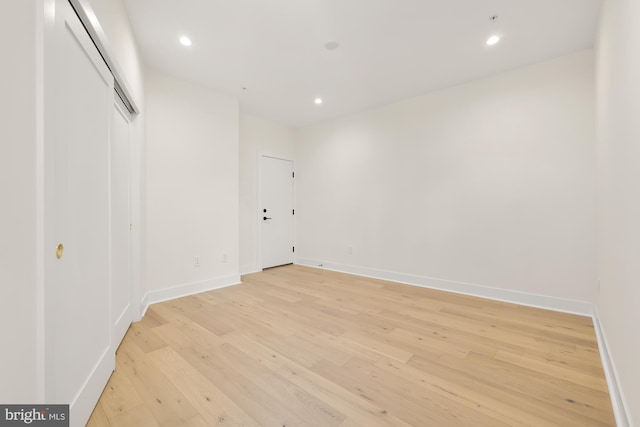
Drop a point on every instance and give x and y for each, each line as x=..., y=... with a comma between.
x=144, y=305
x=187, y=289
x=84, y=402
x=249, y=269
x=516, y=297
x=618, y=400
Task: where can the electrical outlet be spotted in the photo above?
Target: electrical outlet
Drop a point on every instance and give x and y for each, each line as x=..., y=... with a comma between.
x=196, y=261
x=225, y=258
x=350, y=250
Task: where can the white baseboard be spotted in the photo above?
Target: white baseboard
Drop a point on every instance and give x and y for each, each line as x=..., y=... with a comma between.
x=618, y=400
x=84, y=402
x=506, y=295
x=144, y=305
x=187, y=289
x=249, y=269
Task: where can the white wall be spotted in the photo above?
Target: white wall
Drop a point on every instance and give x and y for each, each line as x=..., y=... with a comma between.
x=489, y=183
x=18, y=142
x=192, y=187
x=618, y=130
x=257, y=137
x=114, y=21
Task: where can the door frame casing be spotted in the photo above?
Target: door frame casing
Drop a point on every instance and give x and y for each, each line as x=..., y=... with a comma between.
x=259, y=213
x=133, y=308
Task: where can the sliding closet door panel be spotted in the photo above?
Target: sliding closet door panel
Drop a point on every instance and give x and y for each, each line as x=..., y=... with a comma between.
x=121, y=307
x=79, y=356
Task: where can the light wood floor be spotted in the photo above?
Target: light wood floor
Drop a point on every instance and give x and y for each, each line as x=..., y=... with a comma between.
x=295, y=346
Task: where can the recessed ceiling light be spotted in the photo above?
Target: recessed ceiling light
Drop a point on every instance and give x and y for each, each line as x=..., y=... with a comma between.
x=331, y=45
x=185, y=41
x=318, y=101
x=493, y=40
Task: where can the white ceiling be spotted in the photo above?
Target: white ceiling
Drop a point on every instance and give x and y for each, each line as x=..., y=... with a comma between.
x=389, y=49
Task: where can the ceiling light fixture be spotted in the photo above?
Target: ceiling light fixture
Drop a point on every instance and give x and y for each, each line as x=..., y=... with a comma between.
x=493, y=40
x=318, y=101
x=331, y=45
x=185, y=41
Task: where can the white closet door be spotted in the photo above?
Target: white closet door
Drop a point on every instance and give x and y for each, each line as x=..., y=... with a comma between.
x=121, y=289
x=79, y=356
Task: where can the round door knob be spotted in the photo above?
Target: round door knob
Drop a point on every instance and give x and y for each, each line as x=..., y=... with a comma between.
x=59, y=250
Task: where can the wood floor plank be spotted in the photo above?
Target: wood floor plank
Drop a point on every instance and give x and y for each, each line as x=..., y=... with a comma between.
x=200, y=422
x=119, y=396
x=586, y=379
x=98, y=417
x=305, y=405
x=356, y=409
x=190, y=327
x=568, y=395
x=385, y=391
x=522, y=400
x=379, y=344
x=298, y=346
x=210, y=402
x=258, y=403
x=474, y=400
x=160, y=396
x=145, y=337
x=152, y=319
x=141, y=416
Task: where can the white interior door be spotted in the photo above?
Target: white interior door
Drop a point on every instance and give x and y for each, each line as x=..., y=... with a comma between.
x=79, y=357
x=277, y=214
x=121, y=289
